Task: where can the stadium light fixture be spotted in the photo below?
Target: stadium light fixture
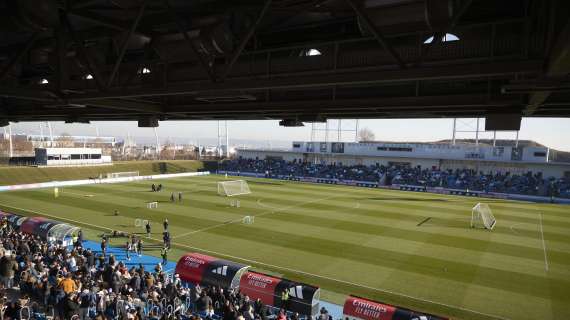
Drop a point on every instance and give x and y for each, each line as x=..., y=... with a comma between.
x=44, y=81
x=145, y=70
x=88, y=77
x=448, y=37
x=310, y=52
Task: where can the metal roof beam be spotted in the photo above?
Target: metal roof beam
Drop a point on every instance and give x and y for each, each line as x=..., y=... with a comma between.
x=347, y=78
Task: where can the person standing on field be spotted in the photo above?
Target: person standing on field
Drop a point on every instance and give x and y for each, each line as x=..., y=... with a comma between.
x=147, y=229
x=285, y=299
x=140, y=247
x=164, y=255
x=179, y=196
x=165, y=224
x=128, y=249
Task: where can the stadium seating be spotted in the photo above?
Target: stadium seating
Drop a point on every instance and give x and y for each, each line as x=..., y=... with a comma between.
x=530, y=183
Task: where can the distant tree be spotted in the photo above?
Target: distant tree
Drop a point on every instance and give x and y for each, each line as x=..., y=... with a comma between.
x=365, y=135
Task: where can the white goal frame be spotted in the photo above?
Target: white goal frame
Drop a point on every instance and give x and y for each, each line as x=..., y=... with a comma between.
x=233, y=188
x=122, y=174
x=152, y=205
x=481, y=214
x=248, y=220
x=140, y=223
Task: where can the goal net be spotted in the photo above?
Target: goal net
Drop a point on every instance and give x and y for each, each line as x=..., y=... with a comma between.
x=481, y=215
x=122, y=174
x=233, y=188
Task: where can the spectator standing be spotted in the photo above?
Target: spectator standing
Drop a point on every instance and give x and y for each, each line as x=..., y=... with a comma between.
x=68, y=285
x=103, y=246
x=8, y=268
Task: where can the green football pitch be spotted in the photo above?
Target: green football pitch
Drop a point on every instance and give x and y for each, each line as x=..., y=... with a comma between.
x=347, y=240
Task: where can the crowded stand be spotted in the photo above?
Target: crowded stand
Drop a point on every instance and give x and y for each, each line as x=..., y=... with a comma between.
x=41, y=279
x=530, y=183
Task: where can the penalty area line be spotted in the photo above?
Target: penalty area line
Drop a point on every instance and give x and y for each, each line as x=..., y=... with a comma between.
x=272, y=211
x=259, y=263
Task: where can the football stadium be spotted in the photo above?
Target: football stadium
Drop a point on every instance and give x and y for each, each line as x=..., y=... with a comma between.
x=284, y=160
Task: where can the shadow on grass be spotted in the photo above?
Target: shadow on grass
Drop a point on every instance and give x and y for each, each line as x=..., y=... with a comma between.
x=459, y=223
x=265, y=182
x=408, y=199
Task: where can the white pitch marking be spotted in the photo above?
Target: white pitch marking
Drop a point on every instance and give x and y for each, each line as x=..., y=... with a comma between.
x=256, y=215
x=512, y=227
x=263, y=205
x=543, y=242
x=78, y=194
x=281, y=268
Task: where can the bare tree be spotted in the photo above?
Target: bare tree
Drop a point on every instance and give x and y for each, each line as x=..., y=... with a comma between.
x=366, y=135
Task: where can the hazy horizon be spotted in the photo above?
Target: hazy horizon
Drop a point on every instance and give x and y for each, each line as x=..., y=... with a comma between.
x=551, y=132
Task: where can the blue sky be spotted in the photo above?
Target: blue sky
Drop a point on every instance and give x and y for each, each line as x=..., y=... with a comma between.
x=552, y=132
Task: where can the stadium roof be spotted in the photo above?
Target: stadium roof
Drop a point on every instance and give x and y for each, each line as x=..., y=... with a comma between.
x=293, y=60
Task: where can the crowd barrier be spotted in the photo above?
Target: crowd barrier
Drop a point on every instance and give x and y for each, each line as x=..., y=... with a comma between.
x=438, y=190
x=69, y=183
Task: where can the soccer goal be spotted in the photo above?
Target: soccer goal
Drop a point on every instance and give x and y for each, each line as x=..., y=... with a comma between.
x=248, y=220
x=152, y=205
x=122, y=174
x=140, y=223
x=481, y=215
x=233, y=188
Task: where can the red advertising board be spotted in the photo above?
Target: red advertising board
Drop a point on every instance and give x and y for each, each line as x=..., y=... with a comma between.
x=364, y=309
x=367, y=310
x=191, y=267
x=259, y=286
x=30, y=225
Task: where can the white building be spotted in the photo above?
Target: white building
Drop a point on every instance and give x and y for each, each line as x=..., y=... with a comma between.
x=70, y=157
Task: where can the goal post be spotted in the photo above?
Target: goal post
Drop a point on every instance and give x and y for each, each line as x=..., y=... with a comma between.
x=152, y=205
x=233, y=188
x=481, y=215
x=122, y=174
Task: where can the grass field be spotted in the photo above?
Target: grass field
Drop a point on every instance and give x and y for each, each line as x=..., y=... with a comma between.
x=352, y=240
x=19, y=175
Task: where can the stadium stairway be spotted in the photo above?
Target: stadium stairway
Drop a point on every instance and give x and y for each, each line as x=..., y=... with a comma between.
x=149, y=262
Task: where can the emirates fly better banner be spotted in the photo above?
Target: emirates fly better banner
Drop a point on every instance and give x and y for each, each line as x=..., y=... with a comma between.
x=362, y=309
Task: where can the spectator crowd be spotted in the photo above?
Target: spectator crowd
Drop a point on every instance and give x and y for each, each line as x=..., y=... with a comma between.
x=38, y=278
x=466, y=179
